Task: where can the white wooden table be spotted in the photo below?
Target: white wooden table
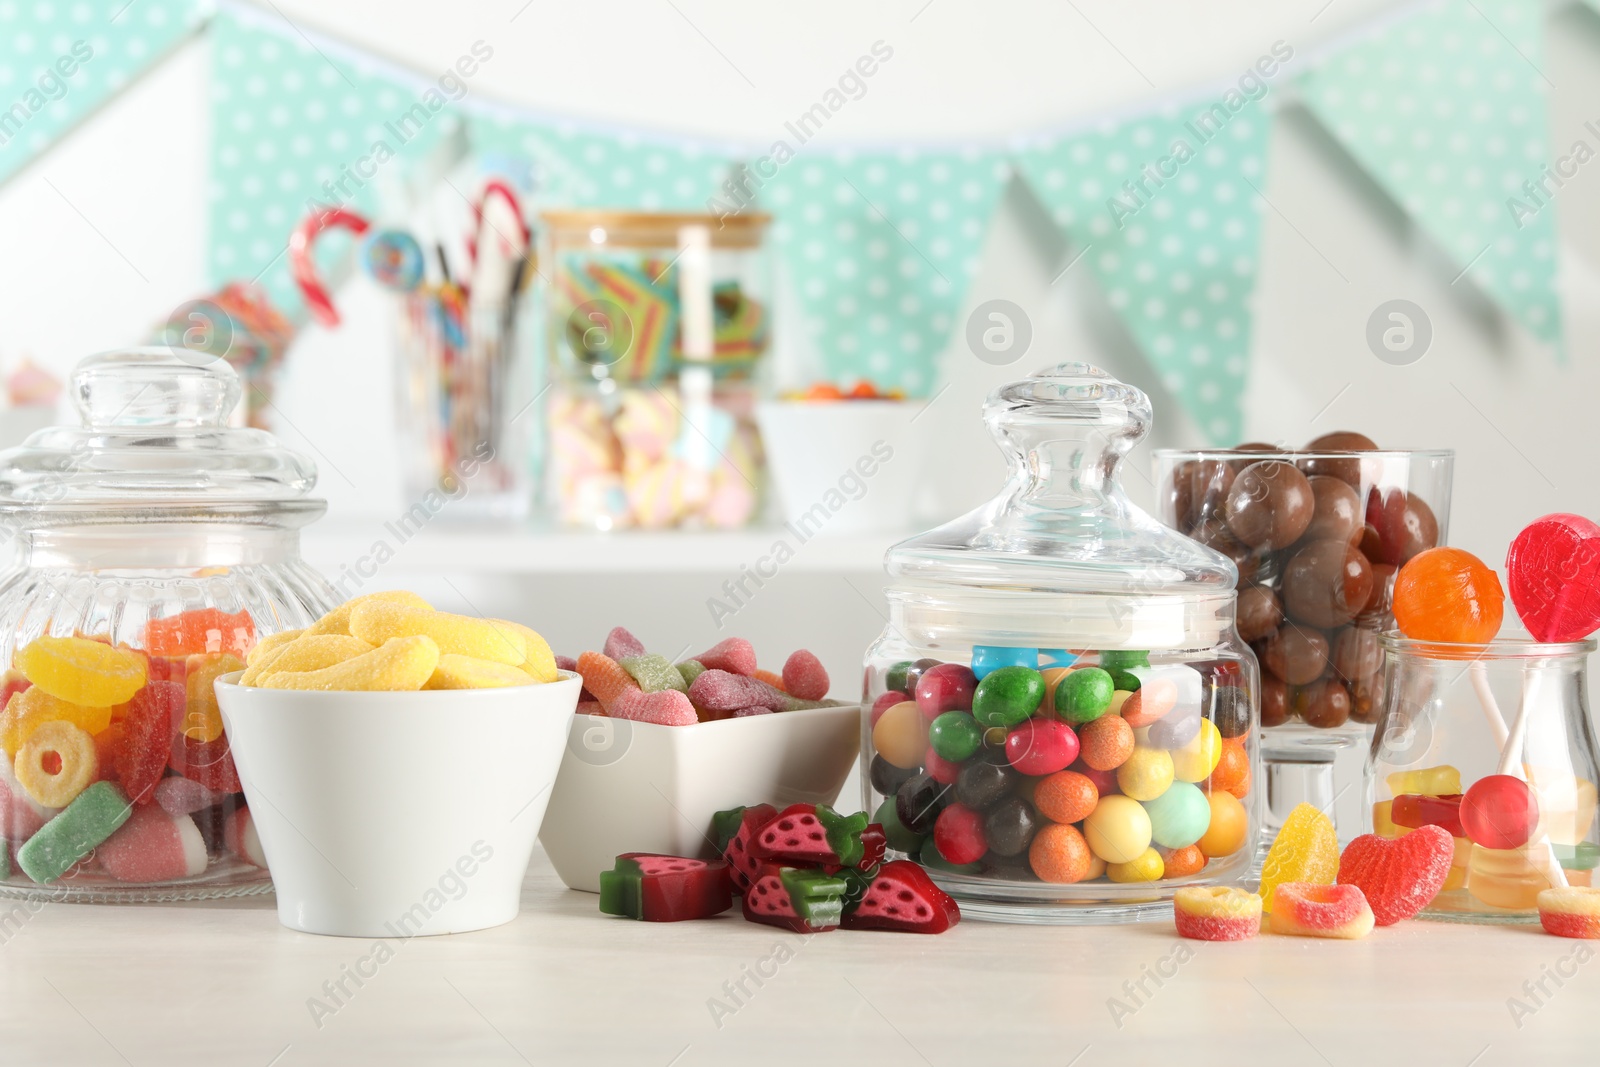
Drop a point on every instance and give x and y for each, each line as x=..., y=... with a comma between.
x=224, y=984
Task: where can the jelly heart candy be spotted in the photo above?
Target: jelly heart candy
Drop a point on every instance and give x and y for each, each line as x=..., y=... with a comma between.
x=202, y=719
x=1216, y=913
x=1570, y=912
x=653, y=673
x=269, y=643
x=620, y=645
x=401, y=664
x=741, y=825
x=310, y=653
x=153, y=846
x=1398, y=877
x=604, y=677
x=465, y=672
x=901, y=897
x=201, y=630
x=664, y=889
x=95, y=815
x=153, y=714
x=31, y=708
x=337, y=621
x=812, y=833
x=734, y=655
x=665, y=708
x=1413, y=810
x=804, y=676
x=1315, y=909
x=1305, y=850
x=82, y=671
x=805, y=901
x=540, y=664
x=56, y=763
x=208, y=762
x=1553, y=575
x=378, y=621
x=1498, y=812
x=1448, y=595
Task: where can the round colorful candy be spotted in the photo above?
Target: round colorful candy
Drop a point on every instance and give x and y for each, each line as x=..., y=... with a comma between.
x=1448, y=595
x=1228, y=827
x=1178, y=817
x=1114, y=659
x=955, y=735
x=1066, y=796
x=1146, y=775
x=1195, y=761
x=394, y=259
x=1007, y=696
x=901, y=735
x=958, y=834
x=1147, y=866
x=894, y=831
x=1041, y=746
x=886, y=778
x=919, y=802
x=983, y=783
x=1499, y=811
x=1177, y=729
x=943, y=771
x=946, y=687
x=1060, y=854
x=1010, y=827
x=1150, y=702
x=1085, y=695
x=1106, y=743
x=1118, y=830
x=1182, y=862
x=887, y=701
x=987, y=658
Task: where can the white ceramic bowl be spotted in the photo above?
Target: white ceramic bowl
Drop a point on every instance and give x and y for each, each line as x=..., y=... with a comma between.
x=395, y=814
x=637, y=787
x=858, y=452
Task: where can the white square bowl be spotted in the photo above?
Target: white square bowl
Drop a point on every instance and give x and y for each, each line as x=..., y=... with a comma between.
x=637, y=787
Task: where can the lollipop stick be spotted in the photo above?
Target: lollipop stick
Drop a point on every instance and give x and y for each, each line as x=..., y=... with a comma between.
x=1511, y=762
x=1491, y=710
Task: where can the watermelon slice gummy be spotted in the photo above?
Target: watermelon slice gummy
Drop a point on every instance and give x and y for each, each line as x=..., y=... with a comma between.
x=665, y=889
x=902, y=897
x=806, y=901
x=813, y=833
x=741, y=825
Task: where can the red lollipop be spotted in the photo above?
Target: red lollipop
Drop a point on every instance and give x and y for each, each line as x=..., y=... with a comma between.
x=1499, y=811
x=1553, y=571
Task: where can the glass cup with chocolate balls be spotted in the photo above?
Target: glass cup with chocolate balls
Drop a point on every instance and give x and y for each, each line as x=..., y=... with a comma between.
x=1317, y=534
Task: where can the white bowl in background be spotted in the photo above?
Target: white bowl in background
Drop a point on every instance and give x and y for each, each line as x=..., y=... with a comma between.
x=396, y=814
x=637, y=787
x=818, y=447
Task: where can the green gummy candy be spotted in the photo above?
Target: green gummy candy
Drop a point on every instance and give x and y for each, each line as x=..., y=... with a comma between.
x=724, y=824
x=95, y=815
x=894, y=831
x=1583, y=856
x=654, y=673
x=689, y=670
x=817, y=898
x=1114, y=659
x=843, y=833
x=620, y=890
x=1084, y=695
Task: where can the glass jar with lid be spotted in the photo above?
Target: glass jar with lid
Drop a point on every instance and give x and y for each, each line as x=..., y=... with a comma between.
x=1063, y=723
x=155, y=546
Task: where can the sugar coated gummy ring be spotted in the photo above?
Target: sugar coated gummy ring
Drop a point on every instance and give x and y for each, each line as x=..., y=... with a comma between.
x=1216, y=913
x=1570, y=912
x=57, y=763
x=1310, y=910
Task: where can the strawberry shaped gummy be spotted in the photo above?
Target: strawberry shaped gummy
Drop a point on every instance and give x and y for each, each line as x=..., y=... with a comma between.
x=1553, y=575
x=902, y=897
x=1400, y=876
x=813, y=833
x=665, y=889
x=735, y=830
x=805, y=901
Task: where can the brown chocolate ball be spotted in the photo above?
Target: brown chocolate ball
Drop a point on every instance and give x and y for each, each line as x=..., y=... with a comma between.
x=1214, y=533
x=1379, y=606
x=1356, y=653
x=1403, y=523
x=1274, y=702
x=1259, y=612
x=1270, y=504
x=1345, y=468
x=1209, y=483
x=1324, y=703
x=1366, y=698
x=1326, y=584
x=1177, y=497
x=1337, y=515
x=1295, y=654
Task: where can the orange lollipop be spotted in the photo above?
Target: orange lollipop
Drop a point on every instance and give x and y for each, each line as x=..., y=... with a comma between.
x=1446, y=594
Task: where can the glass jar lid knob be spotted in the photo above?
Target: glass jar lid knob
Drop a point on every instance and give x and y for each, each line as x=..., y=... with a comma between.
x=154, y=387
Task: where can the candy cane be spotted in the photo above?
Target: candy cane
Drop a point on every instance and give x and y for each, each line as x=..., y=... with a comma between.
x=304, y=268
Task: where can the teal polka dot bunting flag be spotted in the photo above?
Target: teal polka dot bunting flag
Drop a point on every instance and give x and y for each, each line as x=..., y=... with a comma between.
x=880, y=249
x=1446, y=109
x=60, y=61
x=1164, y=211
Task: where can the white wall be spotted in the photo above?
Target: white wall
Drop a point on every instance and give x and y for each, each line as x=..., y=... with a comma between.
x=105, y=233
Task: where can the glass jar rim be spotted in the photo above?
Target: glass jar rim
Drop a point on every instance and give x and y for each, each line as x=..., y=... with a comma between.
x=1304, y=453
x=1501, y=648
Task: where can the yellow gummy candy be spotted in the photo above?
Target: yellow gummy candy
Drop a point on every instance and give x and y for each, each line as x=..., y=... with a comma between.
x=337, y=621
x=82, y=670
x=58, y=762
x=465, y=672
x=28, y=710
x=1305, y=850
x=377, y=621
x=310, y=653
x=1441, y=781
x=202, y=719
x=270, y=643
x=540, y=663
x=401, y=663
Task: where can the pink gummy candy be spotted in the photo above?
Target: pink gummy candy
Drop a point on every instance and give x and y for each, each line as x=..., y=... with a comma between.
x=590, y=707
x=805, y=677
x=181, y=796
x=721, y=691
x=620, y=644
x=239, y=834
x=153, y=846
x=735, y=655
x=665, y=707
x=566, y=663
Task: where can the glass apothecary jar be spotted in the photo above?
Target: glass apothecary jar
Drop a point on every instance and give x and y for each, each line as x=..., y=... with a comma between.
x=1493, y=742
x=155, y=546
x=1063, y=723
x=658, y=328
